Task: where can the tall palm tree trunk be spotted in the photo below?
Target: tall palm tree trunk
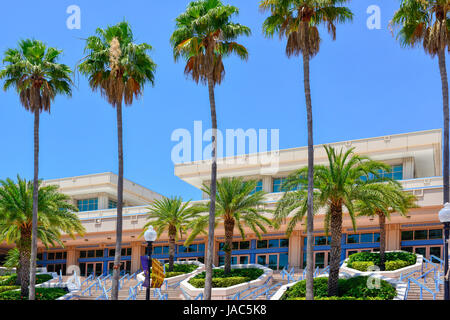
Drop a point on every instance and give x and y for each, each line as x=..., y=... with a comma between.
x=212, y=207
x=444, y=80
x=310, y=213
x=117, y=256
x=382, y=223
x=23, y=273
x=171, y=249
x=229, y=228
x=335, y=252
x=35, y=206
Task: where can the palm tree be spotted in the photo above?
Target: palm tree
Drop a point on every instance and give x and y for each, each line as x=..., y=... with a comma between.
x=387, y=198
x=426, y=23
x=56, y=215
x=204, y=36
x=119, y=69
x=298, y=21
x=173, y=216
x=237, y=204
x=32, y=69
x=337, y=185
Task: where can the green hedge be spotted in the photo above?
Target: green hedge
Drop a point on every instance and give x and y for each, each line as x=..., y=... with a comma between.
x=41, y=294
x=219, y=282
x=349, y=289
x=396, y=264
x=173, y=274
x=407, y=259
x=252, y=273
x=338, y=298
x=361, y=265
x=11, y=280
x=8, y=288
x=183, y=268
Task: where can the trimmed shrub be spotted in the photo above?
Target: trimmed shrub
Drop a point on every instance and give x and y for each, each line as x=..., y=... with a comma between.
x=219, y=282
x=8, y=288
x=173, y=274
x=337, y=298
x=358, y=287
x=396, y=264
x=374, y=257
x=361, y=265
x=349, y=289
x=183, y=268
x=41, y=294
x=251, y=273
x=11, y=280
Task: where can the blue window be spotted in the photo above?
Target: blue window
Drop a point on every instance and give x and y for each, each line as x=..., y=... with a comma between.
x=88, y=204
x=353, y=238
x=366, y=237
x=396, y=173
x=259, y=187
x=161, y=250
x=112, y=204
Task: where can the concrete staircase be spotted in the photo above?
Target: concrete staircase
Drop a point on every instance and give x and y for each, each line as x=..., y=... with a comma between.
x=427, y=281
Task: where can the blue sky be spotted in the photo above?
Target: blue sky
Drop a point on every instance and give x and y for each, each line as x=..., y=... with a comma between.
x=363, y=85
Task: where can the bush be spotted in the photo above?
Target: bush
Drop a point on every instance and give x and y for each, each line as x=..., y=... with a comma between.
x=374, y=257
x=219, y=282
x=41, y=294
x=173, y=274
x=396, y=264
x=357, y=287
x=11, y=280
x=349, y=289
x=337, y=298
x=361, y=265
x=8, y=288
x=183, y=268
x=251, y=273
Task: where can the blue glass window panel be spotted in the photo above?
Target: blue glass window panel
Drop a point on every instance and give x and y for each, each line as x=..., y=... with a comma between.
x=353, y=238
x=182, y=249
x=274, y=243
x=366, y=237
x=320, y=241
x=166, y=250
x=284, y=243
x=259, y=187
x=87, y=204
x=157, y=250
x=284, y=260
x=376, y=237
x=192, y=248
x=261, y=244
x=201, y=247
x=244, y=245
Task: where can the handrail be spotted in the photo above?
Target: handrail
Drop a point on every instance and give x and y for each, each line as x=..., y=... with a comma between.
x=424, y=276
x=428, y=262
x=421, y=286
x=90, y=288
x=441, y=262
x=407, y=275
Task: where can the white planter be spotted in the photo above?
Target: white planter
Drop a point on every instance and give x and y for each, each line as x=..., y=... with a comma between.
x=224, y=293
x=173, y=280
x=388, y=274
x=399, y=286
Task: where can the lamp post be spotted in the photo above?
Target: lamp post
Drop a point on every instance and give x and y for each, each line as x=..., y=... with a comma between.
x=149, y=236
x=444, y=217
